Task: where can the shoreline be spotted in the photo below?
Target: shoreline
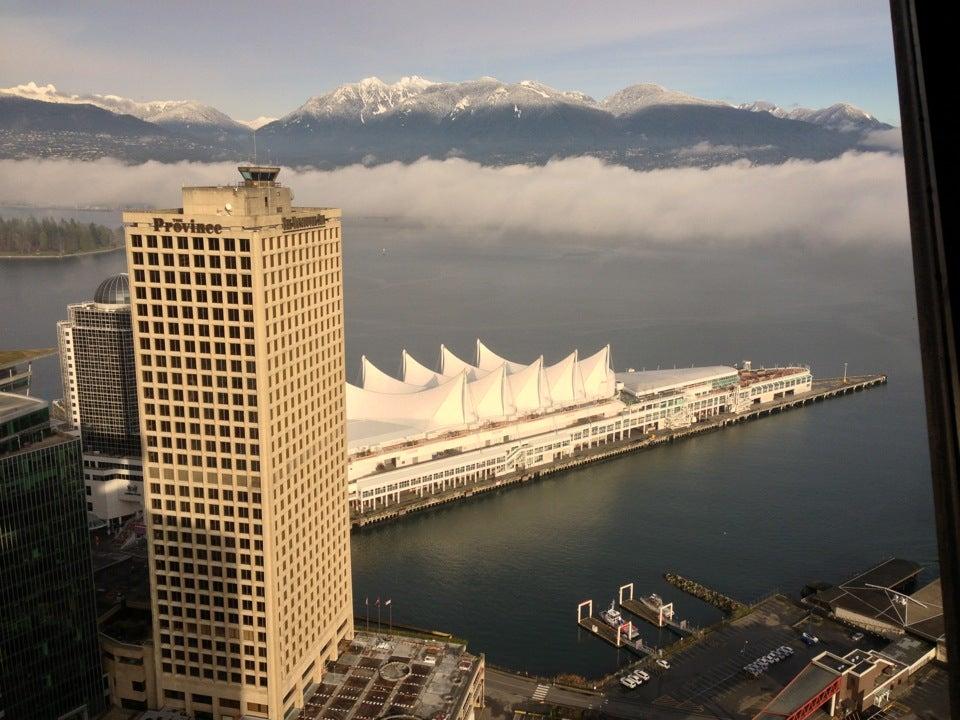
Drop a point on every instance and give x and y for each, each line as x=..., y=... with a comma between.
x=62, y=257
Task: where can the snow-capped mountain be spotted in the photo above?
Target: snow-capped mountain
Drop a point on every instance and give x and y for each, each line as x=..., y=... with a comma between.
x=843, y=117
x=257, y=123
x=644, y=95
x=372, y=99
x=357, y=101
x=181, y=113
x=487, y=120
x=764, y=106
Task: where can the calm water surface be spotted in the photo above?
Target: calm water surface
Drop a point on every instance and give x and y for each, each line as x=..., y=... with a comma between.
x=809, y=495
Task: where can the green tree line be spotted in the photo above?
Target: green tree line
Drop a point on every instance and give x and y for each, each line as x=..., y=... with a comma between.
x=30, y=236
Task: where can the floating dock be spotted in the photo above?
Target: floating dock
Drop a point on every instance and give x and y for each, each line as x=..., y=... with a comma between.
x=609, y=634
x=662, y=618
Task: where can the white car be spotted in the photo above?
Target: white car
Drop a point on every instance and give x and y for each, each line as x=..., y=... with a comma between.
x=663, y=663
x=628, y=682
x=642, y=675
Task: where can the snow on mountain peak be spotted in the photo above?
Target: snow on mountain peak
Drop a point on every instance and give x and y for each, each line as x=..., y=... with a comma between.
x=643, y=95
x=839, y=116
x=257, y=123
x=188, y=112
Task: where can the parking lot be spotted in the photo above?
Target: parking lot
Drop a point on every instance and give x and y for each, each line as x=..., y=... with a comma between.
x=707, y=678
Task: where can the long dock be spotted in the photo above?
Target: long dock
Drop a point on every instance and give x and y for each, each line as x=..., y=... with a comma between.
x=821, y=390
x=643, y=611
x=597, y=627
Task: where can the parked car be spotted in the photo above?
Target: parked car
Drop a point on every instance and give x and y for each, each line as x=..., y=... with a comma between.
x=628, y=682
x=809, y=639
x=643, y=675
x=857, y=636
x=663, y=663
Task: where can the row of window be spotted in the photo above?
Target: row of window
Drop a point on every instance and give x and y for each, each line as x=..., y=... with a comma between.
x=199, y=243
x=199, y=261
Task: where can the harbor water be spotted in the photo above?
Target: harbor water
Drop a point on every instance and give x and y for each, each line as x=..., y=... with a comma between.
x=812, y=494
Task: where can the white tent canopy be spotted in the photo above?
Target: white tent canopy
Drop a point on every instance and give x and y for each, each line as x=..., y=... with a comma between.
x=451, y=365
x=564, y=381
x=416, y=373
x=487, y=359
x=462, y=394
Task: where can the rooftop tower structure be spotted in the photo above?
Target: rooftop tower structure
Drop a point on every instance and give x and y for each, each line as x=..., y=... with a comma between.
x=237, y=309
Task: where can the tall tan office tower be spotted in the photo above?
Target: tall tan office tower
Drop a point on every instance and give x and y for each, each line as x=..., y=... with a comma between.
x=237, y=310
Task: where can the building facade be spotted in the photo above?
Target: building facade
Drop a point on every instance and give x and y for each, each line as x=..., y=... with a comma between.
x=49, y=658
x=100, y=399
x=237, y=310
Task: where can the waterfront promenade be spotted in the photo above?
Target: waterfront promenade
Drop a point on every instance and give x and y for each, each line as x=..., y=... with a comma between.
x=821, y=390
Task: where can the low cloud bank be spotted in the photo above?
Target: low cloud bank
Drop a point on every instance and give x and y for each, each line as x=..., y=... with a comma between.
x=857, y=198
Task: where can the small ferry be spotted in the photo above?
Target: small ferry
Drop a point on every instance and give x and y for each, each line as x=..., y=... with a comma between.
x=611, y=616
x=654, y=602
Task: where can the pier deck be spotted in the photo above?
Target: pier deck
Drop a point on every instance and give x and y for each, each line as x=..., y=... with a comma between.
x=597, y=627
x=640, y=610
x=821, y=390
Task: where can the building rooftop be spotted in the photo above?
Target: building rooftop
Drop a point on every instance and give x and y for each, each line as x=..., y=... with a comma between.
x=13, y=405
x=906, y=650
x=877, y=594
x=9, y=358
x=132, y=625
x=810, y=682
x=115, y=290
x=924, y=612
x=644, y=382
x=379, y=675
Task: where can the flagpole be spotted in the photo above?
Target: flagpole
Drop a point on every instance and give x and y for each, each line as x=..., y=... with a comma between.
x=367, y=603
x=390, y=605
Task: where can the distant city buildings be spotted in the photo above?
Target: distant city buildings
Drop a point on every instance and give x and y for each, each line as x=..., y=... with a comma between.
x=49, y=657
x=100, y=399
x=237, y=310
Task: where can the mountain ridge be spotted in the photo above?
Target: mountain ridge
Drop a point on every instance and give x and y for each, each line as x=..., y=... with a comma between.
x=493, y=122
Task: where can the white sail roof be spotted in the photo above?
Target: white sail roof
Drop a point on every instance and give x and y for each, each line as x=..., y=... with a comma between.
x=444, y=406
x=564, y=381
x=599, y=380
x=487, y=359
x=415, y=373
x=526, y=387
x=375, y=379
x=491, y=396
x=451, y=365
x=386, y=408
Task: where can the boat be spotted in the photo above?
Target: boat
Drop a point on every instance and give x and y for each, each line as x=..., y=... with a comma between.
x=611, y=616
x=655, y=603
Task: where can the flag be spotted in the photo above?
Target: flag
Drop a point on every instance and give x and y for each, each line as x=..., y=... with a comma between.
x=388, y=602
x=378, y=601
x=366, y=601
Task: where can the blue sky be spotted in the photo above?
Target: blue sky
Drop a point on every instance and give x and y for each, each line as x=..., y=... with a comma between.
x=265, y=58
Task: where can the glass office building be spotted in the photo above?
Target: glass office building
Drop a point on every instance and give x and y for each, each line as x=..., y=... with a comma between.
x=49, y=656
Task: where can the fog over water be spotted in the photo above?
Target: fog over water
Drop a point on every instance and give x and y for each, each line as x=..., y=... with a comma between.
x=809, y=495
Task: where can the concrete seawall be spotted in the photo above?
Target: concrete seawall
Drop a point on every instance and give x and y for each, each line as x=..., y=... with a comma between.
x=821, y=390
